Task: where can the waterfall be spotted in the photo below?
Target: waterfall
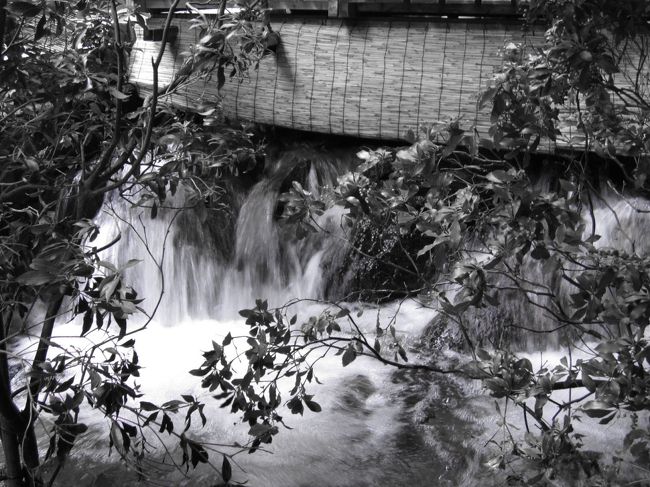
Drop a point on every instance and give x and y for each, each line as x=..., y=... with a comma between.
x=378, y=427
x=216, y=264
x=213, y=265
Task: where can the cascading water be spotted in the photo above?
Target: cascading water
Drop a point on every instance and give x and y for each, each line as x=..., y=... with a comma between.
x=215, y=265
x=378, y=427
x=367, y=433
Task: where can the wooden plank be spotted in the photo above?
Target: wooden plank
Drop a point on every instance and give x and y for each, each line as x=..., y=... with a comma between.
x=460, y=7
x=349, y=8
x=158, y=4
x=333, y=8
x=298, y=5
x=344, y=9
x=375, y=2
x=470, y=10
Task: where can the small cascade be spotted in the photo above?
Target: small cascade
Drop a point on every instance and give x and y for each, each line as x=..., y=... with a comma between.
x=212, y=263
x=176, y=252
x=520, y=323
x=621, y=222
x=270, y=262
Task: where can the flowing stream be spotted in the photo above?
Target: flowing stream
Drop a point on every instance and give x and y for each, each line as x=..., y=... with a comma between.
x=378, y=427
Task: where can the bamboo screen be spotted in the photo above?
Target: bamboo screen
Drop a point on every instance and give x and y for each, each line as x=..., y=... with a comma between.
x=371, y=79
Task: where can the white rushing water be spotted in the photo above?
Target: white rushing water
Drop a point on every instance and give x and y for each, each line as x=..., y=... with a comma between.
x=372, y=430
x=378, y=427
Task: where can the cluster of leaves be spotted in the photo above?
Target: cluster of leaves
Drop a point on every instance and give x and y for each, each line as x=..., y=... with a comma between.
x=271, y=353
x=249, y=372
x=229, y=45
x=485, y=228
x=72, y=131
x=591, y=73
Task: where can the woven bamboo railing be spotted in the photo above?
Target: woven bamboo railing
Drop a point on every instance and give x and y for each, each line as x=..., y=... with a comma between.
x=376, y=79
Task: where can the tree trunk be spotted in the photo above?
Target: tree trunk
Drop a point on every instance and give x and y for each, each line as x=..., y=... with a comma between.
x=11, y=450
x=9, y=419
x=3, y=23
x=29, y=413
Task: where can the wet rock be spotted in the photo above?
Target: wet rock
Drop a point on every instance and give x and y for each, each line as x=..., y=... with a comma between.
x=441, y=334
x=381, y=269
x=356, y=392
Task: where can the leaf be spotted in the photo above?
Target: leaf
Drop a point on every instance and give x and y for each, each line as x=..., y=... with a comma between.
x=121, y=323
x=118, y=94
x=173, y=405
x=199, y=455
x=166, y=425
x=348, y=356
x=612, y=346
x=426, y=249
x=567, y=186
x=199, y=372
x=65, y=385
x=24, y=9
x=131, y=263
x=452, y=143
x=226, y=470
x=148, y=406
x=258, y=429
x=246, y=380
x=499, y=176
x=108, y=265
x=607, y=419
x=221, y=77
x=313, y=406
x=632, y=436
x=540, y=252
x=486, y=97
x=32, y=164
x=40, y=29
x=483, y=354
x=343, y=312
x=87, y=322
x=597, y=409
x=402, y=354
x=35, y=278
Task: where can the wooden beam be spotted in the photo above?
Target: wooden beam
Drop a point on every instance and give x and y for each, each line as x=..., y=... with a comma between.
x=344, y=9
x=349, y=8
x=483, y=10
x=298, y=5
x=333, y=8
